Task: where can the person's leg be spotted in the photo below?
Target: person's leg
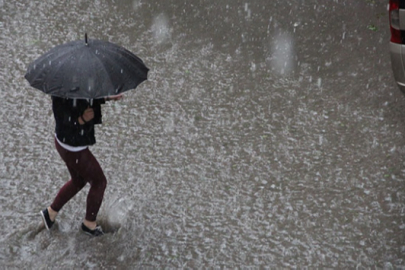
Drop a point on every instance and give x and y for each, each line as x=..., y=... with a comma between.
x=90, y=170
x=72, y=187
x=83, y=167
x=68, y=191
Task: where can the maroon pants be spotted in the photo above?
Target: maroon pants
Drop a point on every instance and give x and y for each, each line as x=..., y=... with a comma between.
x=83, y=168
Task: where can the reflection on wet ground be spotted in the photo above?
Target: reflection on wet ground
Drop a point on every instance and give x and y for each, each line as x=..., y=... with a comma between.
x=267, y=135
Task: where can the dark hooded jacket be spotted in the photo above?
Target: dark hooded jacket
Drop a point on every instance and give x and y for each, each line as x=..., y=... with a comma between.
x=67, y=111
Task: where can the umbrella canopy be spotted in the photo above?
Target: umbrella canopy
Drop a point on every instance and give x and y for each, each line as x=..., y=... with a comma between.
x=86, y=69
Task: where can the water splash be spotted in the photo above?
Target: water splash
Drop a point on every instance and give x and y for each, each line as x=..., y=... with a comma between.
x=160, y=28
x=282, y=54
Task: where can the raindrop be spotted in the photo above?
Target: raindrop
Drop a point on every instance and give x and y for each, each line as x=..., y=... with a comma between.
x=50, y=62
x=281, y=54
x=82, y=132
x=136, y=4
x=74, y=102
x=161, y=28
x=77, y=161
x=319, y=82
x=122, y=71
x=248, y=11
x=91, y=84
x=252, y=67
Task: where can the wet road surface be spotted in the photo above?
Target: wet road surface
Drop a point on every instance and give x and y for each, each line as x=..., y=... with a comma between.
x=269, y=134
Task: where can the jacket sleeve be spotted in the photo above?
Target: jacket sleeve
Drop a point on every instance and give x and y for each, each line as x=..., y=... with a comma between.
x=67, y=111
x=97, y=110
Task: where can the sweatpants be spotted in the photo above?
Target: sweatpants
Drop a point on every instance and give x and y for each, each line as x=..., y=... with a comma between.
x=83, y=168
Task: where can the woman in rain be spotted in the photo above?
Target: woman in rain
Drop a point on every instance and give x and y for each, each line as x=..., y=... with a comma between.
x=75, y=120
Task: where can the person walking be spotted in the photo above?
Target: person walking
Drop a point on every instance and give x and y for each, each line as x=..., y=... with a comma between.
x=74, y=133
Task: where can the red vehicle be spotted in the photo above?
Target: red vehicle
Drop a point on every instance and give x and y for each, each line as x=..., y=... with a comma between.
x=397, y=42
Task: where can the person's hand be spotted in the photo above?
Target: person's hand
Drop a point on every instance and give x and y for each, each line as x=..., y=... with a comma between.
x=87, y=116
x=115, y=98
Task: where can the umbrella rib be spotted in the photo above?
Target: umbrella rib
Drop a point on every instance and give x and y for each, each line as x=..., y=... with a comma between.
x=46, y=58
x=130, y=58
x=104, y=68
x=61, y=63
x=131, y=63
x=128, y=54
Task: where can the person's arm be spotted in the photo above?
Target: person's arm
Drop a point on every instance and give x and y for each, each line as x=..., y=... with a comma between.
x=95, y=113
x=66, y=112
x=87, y=116
x=114, y=98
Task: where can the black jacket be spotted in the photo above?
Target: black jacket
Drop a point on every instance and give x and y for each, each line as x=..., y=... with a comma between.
x=66, y=113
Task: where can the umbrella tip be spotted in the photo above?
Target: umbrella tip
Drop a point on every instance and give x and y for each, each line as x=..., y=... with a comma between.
x=85, y=39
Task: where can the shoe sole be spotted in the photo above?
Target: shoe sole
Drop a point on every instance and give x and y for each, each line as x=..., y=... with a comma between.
x=92, y=235
x=44, y=220
x=89, y=233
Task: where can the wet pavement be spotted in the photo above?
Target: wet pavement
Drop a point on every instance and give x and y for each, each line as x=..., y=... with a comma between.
x=269, y=134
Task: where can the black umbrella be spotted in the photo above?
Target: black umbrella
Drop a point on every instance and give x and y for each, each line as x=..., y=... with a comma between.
x=86, y=69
